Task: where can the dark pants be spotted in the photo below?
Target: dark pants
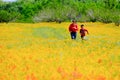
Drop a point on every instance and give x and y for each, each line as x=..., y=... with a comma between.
x=73, y=35
x=82, y=37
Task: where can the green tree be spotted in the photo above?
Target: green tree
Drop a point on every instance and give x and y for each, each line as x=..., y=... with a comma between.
x=7, y=17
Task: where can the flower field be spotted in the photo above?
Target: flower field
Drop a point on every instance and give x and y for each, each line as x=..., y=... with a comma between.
x=44, y=51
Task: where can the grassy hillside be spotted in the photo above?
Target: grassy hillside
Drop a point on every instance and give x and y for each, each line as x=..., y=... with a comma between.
x=44, y=51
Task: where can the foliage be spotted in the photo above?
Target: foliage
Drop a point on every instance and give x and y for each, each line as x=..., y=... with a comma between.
x=8, y=16
x=62, y=10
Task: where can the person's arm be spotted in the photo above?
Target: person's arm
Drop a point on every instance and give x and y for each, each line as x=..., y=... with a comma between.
x=87, y=31
x=80, y=31
x=76, y=27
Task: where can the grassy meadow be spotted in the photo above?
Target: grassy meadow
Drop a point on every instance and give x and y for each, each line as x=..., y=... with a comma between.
x=44, y=51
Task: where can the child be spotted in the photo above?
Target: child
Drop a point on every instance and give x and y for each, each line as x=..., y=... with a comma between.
x=82, y=32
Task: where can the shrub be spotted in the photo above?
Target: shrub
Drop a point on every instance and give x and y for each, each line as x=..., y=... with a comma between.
x=116, y=20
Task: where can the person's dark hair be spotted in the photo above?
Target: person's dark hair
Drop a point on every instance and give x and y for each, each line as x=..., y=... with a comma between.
x=73, y=20
x=82, y=25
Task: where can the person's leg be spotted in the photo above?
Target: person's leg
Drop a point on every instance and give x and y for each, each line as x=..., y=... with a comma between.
x=82, y=37
x=75, y=34
x=72, y=35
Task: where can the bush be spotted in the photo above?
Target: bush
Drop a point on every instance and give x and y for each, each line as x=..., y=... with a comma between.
x=116, y=20
x=8, y=16
x=60, y=10
x=58, y=14
x=4, y=15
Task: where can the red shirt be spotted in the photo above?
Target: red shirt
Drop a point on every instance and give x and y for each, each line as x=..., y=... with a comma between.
x=82, y=32
x=73, y=27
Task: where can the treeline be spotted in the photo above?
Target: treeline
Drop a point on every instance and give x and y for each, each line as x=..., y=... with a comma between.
x=106, y=11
